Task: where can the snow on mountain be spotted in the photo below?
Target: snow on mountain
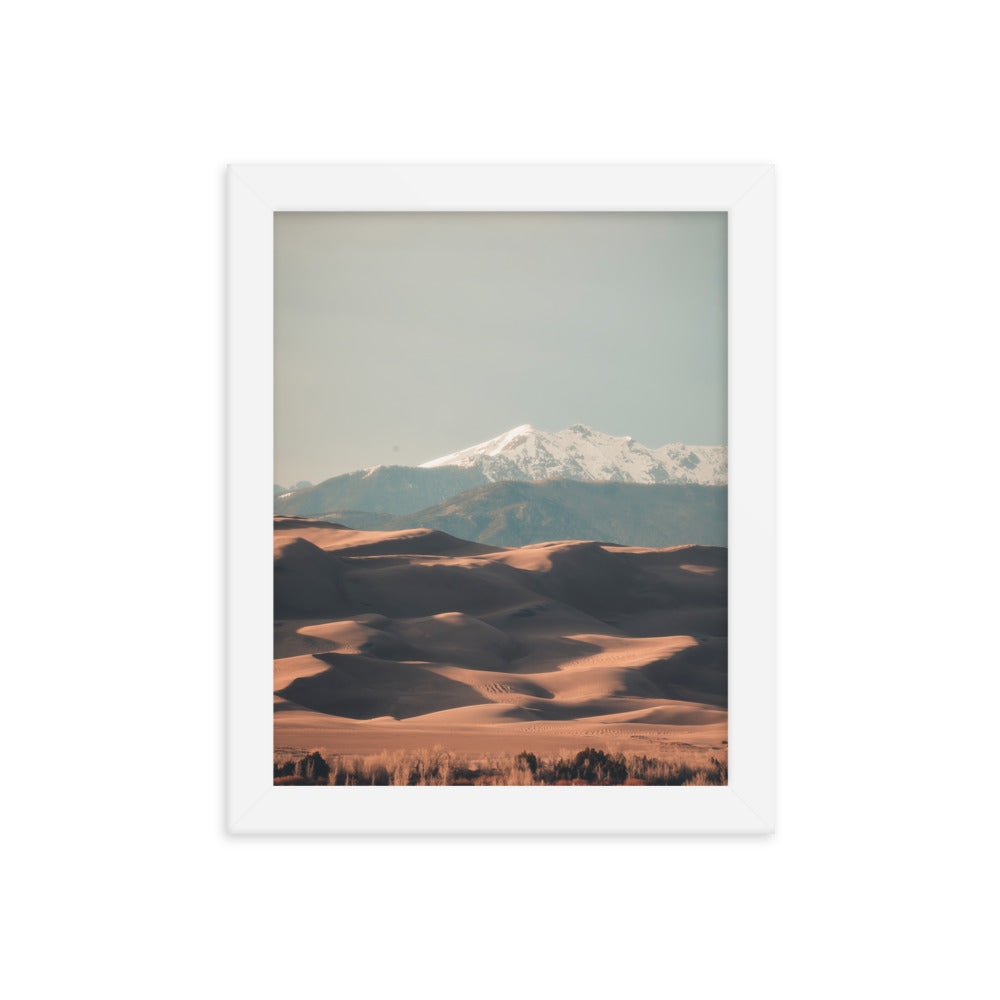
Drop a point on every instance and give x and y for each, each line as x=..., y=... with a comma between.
x=287, y=491
x=708, y=464
x=579, y=452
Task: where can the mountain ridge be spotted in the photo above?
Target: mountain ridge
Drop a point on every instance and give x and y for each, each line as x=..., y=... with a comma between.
x=511, y=513
x=384, y=489
x=522, y=454
x=579, y=452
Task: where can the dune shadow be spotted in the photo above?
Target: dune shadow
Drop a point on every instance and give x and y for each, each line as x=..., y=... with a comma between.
x=359, y=687
x=698, y=673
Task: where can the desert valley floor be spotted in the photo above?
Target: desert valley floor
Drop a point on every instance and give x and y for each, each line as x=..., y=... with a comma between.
x=416, y=639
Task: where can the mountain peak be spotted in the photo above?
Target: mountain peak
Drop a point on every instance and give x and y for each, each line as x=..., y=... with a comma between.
x=582, y=453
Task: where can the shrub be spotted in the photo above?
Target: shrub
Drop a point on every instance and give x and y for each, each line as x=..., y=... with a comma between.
x=313, y=767
x=591, y=766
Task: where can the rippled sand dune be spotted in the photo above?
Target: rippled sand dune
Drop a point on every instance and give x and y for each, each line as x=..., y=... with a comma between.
x=413, y=639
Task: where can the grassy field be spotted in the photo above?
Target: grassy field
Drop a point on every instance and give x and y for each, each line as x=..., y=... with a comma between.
x=442, y=767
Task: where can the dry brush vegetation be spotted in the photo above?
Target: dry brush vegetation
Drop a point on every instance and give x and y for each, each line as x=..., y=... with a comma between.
x=442, y=767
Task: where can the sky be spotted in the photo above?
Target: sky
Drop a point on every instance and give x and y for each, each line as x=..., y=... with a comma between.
x=403, y=336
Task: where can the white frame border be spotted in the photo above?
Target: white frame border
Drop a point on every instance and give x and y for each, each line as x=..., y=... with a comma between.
x=747, y=193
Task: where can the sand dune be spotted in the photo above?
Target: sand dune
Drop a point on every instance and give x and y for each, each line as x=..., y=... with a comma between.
x=407, y=639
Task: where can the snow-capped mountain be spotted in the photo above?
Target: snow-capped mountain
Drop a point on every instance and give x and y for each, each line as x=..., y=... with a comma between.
x=579, y=452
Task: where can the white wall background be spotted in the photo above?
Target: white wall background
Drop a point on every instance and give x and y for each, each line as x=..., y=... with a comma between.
x=119, y=119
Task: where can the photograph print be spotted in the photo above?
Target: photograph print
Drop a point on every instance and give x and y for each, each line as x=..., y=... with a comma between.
x=500, y=501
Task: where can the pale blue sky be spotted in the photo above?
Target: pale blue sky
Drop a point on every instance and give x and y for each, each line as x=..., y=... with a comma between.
x=400, y=337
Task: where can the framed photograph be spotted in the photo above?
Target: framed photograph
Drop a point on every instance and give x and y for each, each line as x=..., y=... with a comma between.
x=501, y=499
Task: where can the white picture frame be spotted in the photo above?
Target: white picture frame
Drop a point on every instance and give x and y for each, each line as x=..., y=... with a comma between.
x=747, y=804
